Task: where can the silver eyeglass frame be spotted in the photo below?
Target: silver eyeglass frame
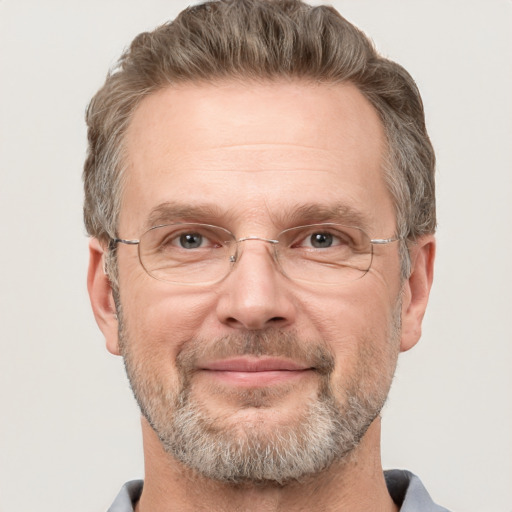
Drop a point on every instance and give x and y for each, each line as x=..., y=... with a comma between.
x=237, y=241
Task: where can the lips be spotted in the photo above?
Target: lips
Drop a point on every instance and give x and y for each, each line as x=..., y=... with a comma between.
x=254, y=372
x=249, y=365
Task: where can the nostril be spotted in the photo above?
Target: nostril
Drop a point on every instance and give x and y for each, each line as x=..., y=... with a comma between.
x=277, y=321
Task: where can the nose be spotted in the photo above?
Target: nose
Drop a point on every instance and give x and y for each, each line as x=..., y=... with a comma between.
x=255, y=295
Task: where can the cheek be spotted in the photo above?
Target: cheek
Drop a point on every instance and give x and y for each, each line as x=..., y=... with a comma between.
x=160, y=319
x=355, y=311
x=358, y=325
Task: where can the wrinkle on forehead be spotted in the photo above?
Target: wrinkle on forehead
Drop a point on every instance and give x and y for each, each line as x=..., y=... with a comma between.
x=276, y=153
x=256, y=157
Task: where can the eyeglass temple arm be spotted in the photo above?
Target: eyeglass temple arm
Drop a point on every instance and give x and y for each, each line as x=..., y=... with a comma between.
x=382, y=241
x=122, y=241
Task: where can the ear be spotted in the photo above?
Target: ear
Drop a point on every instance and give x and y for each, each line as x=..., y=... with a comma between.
x=416, y=290
x=100, y=294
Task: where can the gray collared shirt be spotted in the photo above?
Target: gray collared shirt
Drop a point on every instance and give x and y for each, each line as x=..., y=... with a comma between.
x=405, y=488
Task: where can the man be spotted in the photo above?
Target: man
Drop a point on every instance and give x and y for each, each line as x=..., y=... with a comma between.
x=260, y=197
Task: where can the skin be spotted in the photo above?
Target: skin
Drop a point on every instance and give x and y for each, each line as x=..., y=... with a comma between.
x=256, y=152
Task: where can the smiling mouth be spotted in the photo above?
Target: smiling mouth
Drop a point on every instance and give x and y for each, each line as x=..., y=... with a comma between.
x=254, y=372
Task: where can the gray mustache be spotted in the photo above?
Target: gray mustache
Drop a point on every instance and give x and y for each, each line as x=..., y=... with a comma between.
x=271, y=342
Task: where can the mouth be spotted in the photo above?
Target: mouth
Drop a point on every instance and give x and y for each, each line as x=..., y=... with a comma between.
x=254, y=372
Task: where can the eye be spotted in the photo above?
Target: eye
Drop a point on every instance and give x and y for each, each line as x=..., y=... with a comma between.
x=321, y=240
x=191, y=240
x=177, y=241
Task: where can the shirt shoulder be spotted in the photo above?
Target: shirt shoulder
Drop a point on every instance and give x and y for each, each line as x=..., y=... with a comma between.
x=407, y=491
x=127, y=497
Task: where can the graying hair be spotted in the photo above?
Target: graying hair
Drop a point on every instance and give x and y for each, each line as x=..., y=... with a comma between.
x=261, y=40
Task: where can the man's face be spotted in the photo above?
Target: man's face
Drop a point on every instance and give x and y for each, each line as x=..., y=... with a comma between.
x=257, y=363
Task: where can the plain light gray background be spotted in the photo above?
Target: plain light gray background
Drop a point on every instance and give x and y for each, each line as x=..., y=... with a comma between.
x=69, y=428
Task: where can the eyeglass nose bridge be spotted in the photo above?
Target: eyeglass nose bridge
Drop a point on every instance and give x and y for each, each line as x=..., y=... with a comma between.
x=233, y=258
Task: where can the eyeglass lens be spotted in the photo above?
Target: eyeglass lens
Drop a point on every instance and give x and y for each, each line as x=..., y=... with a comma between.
x=201, y=253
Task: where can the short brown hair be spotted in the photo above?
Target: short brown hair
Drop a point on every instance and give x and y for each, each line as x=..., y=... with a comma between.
x=261, y=40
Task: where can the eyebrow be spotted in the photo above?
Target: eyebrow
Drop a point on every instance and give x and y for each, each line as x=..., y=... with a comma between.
x=171, y=211
x=294, y=215
x=312, y=213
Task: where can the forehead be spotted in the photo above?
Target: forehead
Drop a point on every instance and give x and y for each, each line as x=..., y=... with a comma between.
x=248, y=150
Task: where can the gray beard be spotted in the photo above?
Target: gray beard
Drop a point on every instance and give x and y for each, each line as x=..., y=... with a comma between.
x=325, y=430
x=248, y=454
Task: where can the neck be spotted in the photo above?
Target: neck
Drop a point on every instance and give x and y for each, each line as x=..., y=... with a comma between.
x=356, y=484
